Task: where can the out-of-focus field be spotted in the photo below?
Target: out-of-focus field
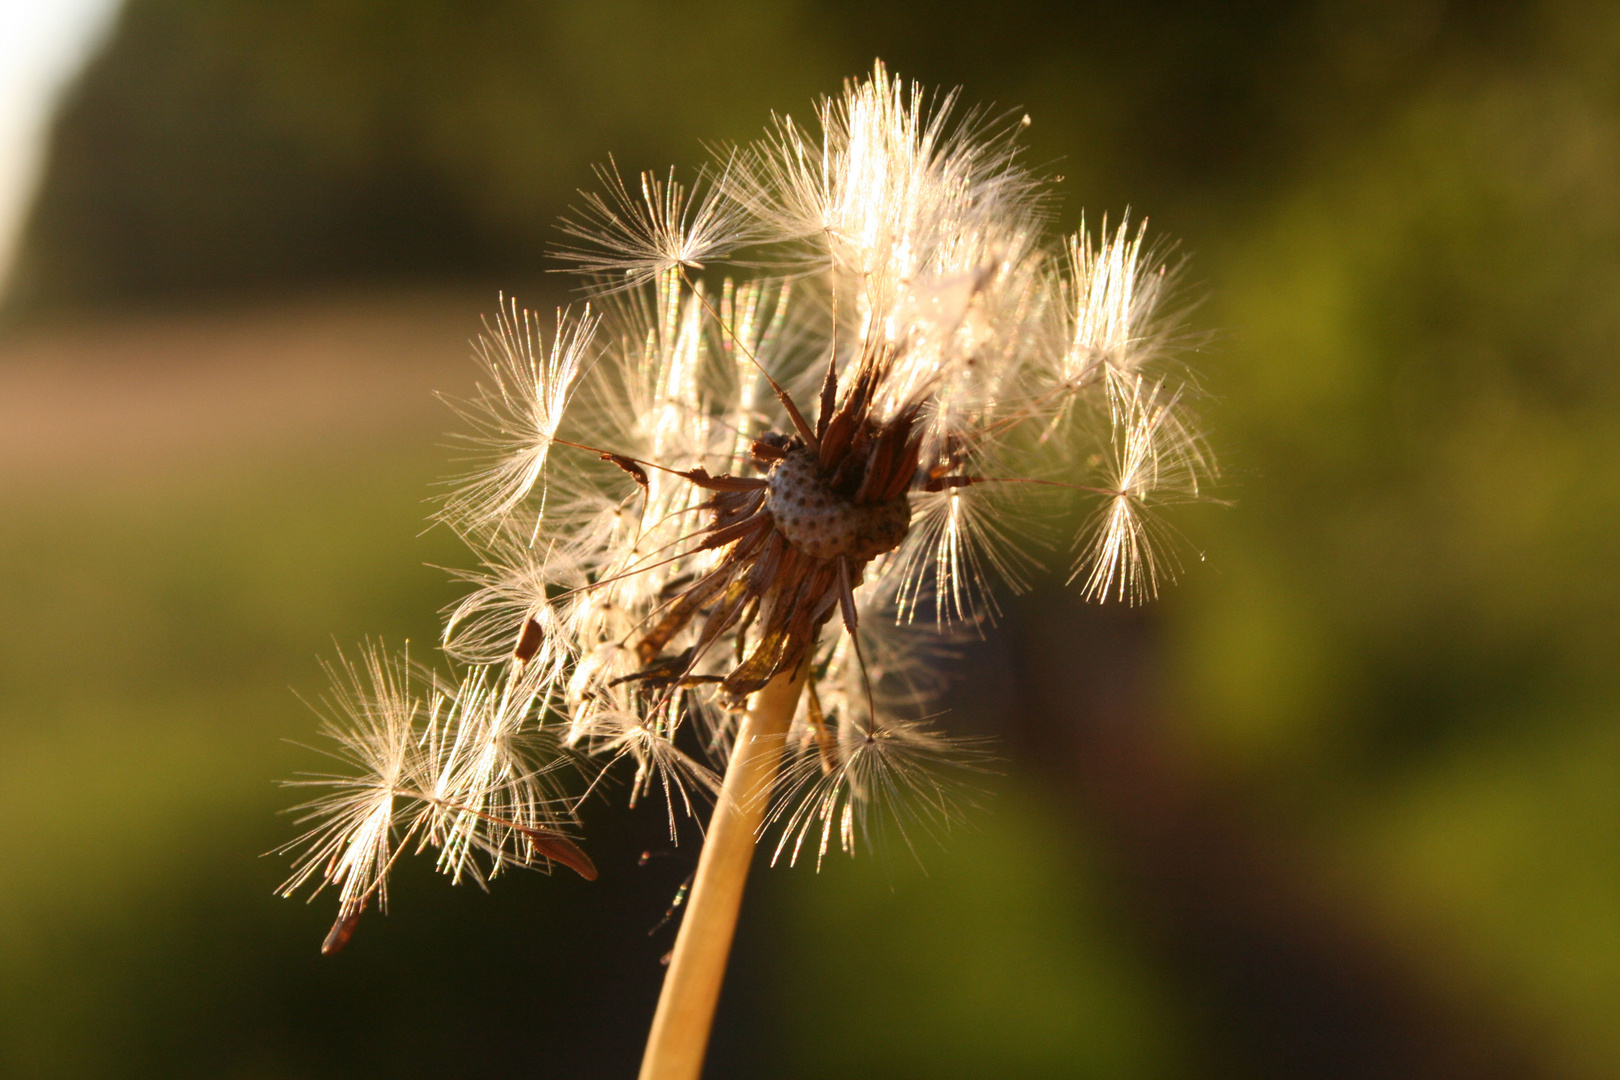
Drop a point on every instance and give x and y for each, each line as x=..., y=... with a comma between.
x=194, y=508
x=142, y=397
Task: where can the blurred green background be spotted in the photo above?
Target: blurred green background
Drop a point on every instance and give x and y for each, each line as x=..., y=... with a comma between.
x=1346, y=803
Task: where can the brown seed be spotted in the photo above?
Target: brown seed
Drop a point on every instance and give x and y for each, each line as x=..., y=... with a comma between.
x=528, y=642
x=341, y=931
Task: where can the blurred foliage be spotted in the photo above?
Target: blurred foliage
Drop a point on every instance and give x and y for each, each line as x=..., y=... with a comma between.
x=1397, y=657
x=1409, y=639
x=1004, y=958
x=226, y=146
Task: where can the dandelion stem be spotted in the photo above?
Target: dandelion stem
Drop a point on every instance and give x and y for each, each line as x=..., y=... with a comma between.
x=680, y=1028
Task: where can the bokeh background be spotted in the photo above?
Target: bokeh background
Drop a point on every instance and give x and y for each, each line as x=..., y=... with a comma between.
x=1345, y=803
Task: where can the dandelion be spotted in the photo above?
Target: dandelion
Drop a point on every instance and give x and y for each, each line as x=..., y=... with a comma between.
x=722, y=525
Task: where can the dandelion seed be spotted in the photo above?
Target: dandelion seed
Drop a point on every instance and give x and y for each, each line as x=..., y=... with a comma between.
x=514, y=418
x=1152, y=464
x=1117, y=292
x=371, y=716
x=891, y=774
x=631, y=241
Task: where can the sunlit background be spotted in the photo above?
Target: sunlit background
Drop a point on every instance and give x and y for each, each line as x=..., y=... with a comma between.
x=1345, y=803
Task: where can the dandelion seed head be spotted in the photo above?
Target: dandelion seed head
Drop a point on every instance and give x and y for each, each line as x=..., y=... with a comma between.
x=827, y=462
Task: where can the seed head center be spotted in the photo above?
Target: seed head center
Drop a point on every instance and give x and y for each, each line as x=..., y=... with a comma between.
x=823, y=524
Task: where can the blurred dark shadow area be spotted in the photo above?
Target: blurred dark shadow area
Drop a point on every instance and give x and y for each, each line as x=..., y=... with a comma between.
x=1344, y=803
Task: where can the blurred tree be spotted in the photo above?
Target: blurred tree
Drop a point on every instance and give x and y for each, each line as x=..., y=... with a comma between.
x=238, y=146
